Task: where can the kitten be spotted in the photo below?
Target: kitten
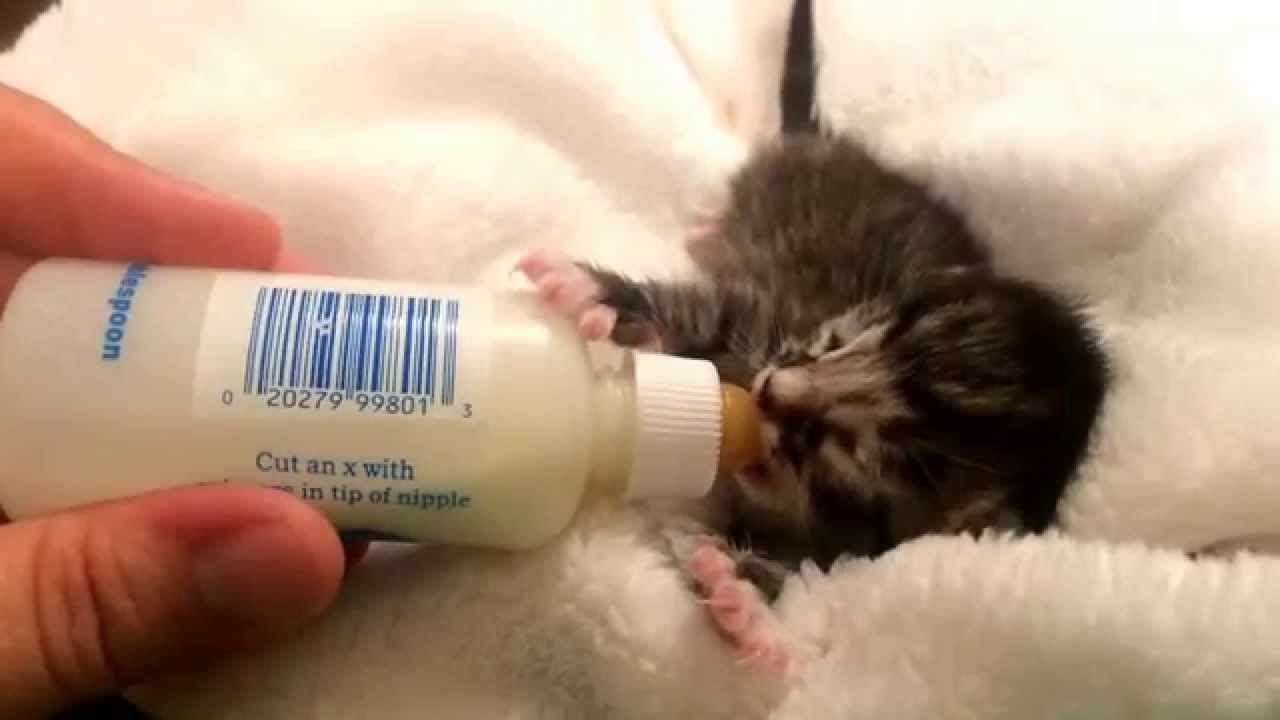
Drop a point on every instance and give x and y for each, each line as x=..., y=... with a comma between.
x=908, y=388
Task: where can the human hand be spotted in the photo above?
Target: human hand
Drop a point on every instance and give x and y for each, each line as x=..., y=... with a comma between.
x=96, y=599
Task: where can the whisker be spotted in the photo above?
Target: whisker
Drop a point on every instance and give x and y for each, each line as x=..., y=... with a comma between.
x=954, y=458
x=924, y=467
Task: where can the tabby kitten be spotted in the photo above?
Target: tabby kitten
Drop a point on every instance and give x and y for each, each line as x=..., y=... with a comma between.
x=908, y=388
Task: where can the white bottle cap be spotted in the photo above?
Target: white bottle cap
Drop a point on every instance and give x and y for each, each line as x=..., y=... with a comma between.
x=677, y=432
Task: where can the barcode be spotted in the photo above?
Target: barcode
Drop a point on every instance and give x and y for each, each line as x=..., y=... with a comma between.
x=349, y=343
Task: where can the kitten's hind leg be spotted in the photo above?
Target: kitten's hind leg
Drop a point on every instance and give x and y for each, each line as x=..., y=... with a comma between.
x=738, y=608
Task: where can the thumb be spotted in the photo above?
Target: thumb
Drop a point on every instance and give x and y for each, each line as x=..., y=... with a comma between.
x=94, y=600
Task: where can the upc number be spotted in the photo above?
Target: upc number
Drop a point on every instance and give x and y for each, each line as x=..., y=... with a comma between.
x=304, y=399
x=319, y=400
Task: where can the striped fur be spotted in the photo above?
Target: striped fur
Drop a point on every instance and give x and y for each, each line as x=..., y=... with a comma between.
x=909, y=388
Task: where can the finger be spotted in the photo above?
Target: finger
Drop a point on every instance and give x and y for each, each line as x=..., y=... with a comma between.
x=93, y=600
x=63, y=192
x=289, y=261
x=354, y=551
x=11, y=268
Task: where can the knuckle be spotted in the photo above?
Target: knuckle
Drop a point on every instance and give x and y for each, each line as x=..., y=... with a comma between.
x=82, y=598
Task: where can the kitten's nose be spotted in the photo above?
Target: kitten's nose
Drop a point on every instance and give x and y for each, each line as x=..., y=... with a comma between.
x=786, y=390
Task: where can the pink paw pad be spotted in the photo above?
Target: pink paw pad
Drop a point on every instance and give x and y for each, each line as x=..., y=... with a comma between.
x=763, y=646
x=737, y=609
x=732, y=605
x=540, y=263
x=597, y=322
x=570, y=290
x=702, y=229
x=710, y=565
x=704, y=221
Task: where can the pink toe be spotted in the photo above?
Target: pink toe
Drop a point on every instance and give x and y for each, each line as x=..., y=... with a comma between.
x=699, y=234
x=759, y=646
x=775, y=662
x=709, y=565
x=549, y=286
x=731, y=607
x=577, y=294
x=755, y=641
x=709, y=206
x=538, y=263
x=703, y=226
x=597, y=323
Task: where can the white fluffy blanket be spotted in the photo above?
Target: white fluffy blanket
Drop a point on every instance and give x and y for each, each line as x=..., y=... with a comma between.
x=1126, y=150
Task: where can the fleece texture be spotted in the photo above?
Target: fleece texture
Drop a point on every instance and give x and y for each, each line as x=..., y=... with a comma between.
x=1124, y=152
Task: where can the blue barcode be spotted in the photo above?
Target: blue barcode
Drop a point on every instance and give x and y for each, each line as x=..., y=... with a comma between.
x=326, y=340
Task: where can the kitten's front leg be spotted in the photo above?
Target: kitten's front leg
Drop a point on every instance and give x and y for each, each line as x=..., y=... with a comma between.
x=571, y=290
x=678, y=318
x=736, y=587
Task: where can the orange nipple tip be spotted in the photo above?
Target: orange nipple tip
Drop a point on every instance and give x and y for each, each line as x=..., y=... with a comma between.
x=740, y=444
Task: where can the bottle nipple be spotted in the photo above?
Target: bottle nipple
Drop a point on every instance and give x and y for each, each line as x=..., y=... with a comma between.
x=740, y=443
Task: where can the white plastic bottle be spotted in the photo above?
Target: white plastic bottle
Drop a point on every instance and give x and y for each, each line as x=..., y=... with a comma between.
x=421, y=412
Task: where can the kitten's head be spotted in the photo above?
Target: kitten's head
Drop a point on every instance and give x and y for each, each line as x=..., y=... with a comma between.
x=966, y=406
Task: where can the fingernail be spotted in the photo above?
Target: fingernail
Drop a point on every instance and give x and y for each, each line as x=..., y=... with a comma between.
x=261, y=575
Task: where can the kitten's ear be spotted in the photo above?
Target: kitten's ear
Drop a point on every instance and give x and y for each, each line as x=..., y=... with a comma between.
x=935, y=288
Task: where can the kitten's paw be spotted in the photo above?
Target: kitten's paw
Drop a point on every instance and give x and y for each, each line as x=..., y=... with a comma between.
x=710, y=564
x=705, y=220
x=569, y=289
x=738, y=609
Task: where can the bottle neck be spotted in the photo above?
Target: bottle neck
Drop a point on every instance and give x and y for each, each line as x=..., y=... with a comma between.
x=613, y=431
x=657, y=427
